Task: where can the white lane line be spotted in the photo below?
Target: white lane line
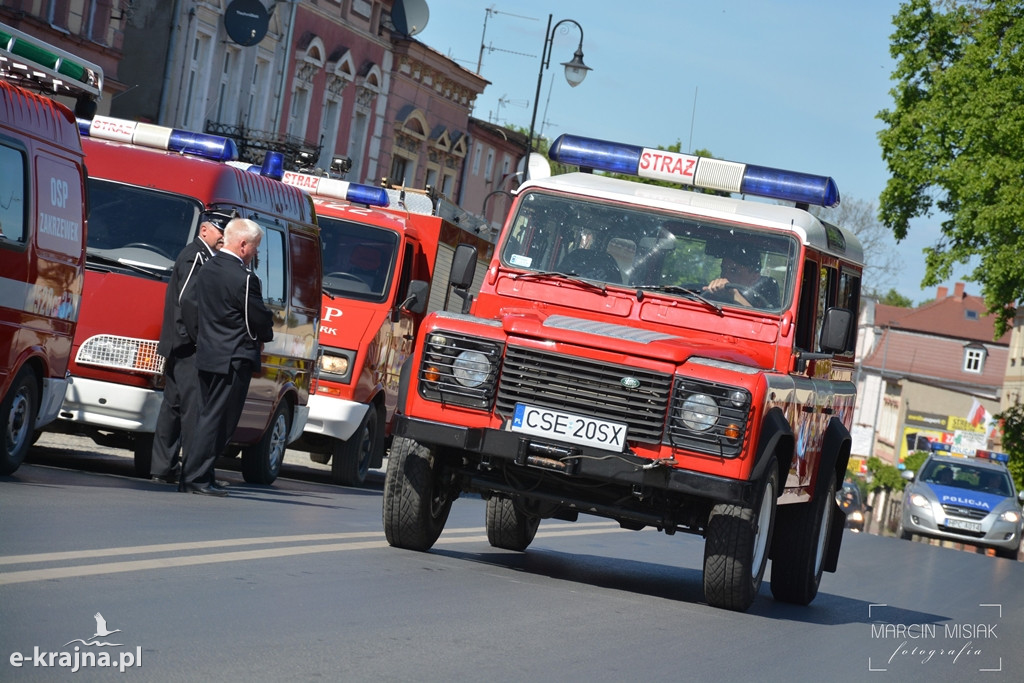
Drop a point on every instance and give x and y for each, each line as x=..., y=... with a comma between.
x=64, y=556
x=31, y=575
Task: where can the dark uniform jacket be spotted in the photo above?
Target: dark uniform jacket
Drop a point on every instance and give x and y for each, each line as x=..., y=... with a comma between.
x=173, y=333
x=227, y=312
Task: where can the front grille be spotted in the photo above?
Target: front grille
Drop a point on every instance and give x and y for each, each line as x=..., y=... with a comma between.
x=962, y=532
x=586, y=387
x=726, y=409
x=964, y=512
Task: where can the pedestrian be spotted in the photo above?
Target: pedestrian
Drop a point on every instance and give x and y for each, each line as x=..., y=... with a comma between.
x=176, y=420
x=232, y=323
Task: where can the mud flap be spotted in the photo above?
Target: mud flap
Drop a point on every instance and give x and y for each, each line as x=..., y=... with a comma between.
x=835, y=539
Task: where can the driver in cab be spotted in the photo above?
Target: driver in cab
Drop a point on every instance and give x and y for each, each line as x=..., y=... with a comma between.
x=741, y=281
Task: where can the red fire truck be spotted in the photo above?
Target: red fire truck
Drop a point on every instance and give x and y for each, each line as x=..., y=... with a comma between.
x=42, y=232
x=149, y=189
x=381, y=274
x=658, y=356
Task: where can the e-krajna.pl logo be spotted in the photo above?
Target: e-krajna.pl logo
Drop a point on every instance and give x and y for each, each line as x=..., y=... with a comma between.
x=83, y=656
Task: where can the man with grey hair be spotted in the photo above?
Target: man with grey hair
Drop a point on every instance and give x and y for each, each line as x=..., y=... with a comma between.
x=231, y=324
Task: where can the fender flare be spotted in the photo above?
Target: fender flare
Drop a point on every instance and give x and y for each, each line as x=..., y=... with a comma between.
x=776, y=439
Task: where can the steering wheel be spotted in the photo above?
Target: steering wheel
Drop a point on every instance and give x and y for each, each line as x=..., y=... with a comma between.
x=338, y=275
x=150, y=247
x=753, y=296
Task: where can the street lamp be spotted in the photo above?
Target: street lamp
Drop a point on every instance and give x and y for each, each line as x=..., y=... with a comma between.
x=575, y=72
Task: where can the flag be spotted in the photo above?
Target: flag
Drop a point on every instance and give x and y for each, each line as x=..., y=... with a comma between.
x=978, y=413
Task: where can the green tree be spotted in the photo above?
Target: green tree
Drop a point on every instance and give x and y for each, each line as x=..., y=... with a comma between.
x=892, y=298
x=881, y=261
x=884, y=476
x=1013, y=441
x=954, y=140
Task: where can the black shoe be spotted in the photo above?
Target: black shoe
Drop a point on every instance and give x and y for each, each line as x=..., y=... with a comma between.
x=171, y=478
x=220, y=484
x=205, y=490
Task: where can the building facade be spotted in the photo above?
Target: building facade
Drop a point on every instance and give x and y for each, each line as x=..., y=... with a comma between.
x=928, y=374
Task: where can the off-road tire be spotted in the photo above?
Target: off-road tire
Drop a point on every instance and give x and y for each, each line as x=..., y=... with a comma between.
x=261, y=462
x=801, y=541
x=416, y=501
x=350, y=460
x=18, y=413
x=736, y=546
x=508, y=527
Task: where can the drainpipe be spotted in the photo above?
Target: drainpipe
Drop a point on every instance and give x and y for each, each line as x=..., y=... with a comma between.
x=284, y=69
x=171, y=47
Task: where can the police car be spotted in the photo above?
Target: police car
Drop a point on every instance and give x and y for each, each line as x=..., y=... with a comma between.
x=971, y=500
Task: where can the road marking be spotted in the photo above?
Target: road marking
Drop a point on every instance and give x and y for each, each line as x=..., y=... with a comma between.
x=351, y=542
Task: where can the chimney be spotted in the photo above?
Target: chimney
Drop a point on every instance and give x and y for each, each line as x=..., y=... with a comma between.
x=958, y=291
x=943, y=291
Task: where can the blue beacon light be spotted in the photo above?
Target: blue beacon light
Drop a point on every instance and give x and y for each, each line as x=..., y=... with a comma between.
x=213, y=147
x=702, y=172
x=331, y=188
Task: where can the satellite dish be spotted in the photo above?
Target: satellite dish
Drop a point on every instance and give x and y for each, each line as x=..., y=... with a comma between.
x=410, y=16
x=246, y=21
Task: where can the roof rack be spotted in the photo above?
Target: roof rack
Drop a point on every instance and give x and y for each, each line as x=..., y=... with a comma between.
x=34, y=64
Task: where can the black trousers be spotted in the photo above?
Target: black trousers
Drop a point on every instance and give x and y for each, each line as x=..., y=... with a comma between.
x=176, y=421
x=223, y=397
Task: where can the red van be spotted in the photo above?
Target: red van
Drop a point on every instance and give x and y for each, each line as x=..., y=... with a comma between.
x=149, y=189
x=42, y=233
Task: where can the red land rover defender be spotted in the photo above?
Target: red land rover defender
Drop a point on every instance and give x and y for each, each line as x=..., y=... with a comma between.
x=381, y=275
x=149, y=189
x=661, y=357
x=42, y=232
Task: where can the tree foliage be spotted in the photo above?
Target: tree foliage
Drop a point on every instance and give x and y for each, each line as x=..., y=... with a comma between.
x=954, y=141
x=884, y=476
x=881, y=260
x=892, y=298
x=1012, y=420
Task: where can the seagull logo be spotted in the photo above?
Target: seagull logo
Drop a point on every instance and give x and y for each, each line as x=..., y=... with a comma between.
x=101, y=632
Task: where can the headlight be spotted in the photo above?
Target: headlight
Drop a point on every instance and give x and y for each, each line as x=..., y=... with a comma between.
x=1010, y=516
x=857, y=516
x=471, y=368
x=336, y=365
x=699, y=412
x=919, y=500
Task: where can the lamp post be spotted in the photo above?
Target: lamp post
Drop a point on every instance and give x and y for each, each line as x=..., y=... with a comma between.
x=575, y=72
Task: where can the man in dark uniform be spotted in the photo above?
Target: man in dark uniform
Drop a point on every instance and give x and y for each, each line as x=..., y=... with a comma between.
x=741, y=281
x=232, y=323
x=176, y=420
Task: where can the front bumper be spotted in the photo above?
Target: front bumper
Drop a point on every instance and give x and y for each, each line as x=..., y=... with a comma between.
x=108, y=405
x=577, y=462
x=933, y=521
x=334, y=417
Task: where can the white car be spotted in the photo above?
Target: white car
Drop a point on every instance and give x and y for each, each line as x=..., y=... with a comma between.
x=971, y=500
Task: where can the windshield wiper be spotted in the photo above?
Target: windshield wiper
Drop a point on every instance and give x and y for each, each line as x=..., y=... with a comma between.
x=676, y=289
x=92, y=257
x=572, y=277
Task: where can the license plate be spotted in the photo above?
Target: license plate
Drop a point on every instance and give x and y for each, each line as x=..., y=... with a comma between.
x=577, y=429
x=962, y=524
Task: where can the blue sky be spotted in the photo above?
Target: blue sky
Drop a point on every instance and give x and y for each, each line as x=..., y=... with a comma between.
x=790, y=84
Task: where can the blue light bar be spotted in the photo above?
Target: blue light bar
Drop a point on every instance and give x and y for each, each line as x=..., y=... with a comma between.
x=331, y=188
x=992, y=455
x=273, y=165
x=702, y=172
x=203, y=145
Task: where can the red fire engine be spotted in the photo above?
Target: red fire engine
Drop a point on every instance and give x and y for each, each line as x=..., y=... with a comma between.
x=381, y=274
x=42, y=232
x=658, y=356
x=149, y=189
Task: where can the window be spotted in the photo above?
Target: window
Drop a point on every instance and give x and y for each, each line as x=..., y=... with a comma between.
x=489, y=166
x=477, y=151
x=12, y=197
x=971, y=315
x=974, y=359
x=271, y=266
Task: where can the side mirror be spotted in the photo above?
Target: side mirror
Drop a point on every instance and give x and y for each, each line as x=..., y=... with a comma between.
x=908, y=475
x=835, y=330
x=1020, y=497
x=460, y=277
x=418, y=296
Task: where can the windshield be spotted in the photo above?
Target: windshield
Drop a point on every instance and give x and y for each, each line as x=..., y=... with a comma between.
x=138, y=229
x=358, y=259
x=652, y=250
x=967, y=476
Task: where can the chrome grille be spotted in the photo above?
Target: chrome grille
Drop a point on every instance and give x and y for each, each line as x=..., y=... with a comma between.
x=964, y=512
x=586, y=387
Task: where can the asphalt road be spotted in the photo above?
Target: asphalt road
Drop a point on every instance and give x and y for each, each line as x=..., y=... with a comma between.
x=296, y=581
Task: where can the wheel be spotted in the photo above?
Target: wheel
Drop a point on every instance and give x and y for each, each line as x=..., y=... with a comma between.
x=736, y=546
x=508, y=526
x=416, y=499
x=903, y=533
x=18, y=414
x=801, y=538
x=1008, y=553
x=350, y=460
x=261, y=462
x=142, y=446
